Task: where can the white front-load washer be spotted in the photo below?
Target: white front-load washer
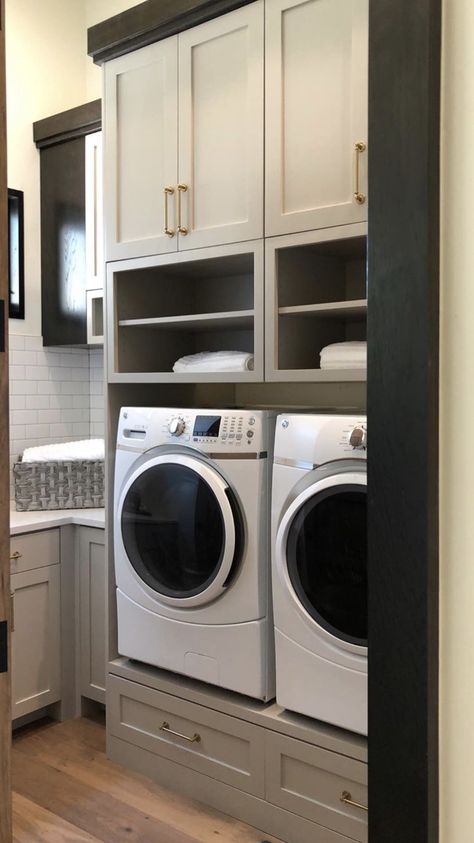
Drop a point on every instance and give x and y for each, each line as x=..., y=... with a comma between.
x=191, y=540
x=319, y=540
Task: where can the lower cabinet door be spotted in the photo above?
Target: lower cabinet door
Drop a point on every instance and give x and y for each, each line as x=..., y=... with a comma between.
x=219, y=746
x=36, y=650
x=321, y=786
x=92, y=612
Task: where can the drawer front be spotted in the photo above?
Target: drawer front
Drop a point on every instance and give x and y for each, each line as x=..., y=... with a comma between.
x=225, y=748
x=310, y=781
x=34, y=550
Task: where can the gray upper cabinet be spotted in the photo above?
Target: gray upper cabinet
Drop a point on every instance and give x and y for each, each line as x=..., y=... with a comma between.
x=316, y=58
x=184, y=159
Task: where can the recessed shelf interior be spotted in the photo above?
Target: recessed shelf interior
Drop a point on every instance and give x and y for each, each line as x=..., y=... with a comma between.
x=320, y=299
x=169, y=311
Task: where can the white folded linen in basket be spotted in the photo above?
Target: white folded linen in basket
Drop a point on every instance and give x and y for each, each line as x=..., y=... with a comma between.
x=84, y=449
x=344, y=355
x=215, y=361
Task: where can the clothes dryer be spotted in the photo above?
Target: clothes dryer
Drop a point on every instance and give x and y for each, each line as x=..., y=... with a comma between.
x=319, y=538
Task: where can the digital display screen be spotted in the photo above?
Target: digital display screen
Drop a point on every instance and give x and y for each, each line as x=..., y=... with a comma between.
x=207, y=426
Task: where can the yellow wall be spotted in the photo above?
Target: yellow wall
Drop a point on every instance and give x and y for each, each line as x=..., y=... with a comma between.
x=457, y=426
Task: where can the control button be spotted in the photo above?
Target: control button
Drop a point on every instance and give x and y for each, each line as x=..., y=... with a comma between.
x=251, y=420
x=176, y=426
x=358, y=438
x=250, y=433
x=224, y=436
x=239, y=436
x=231, y=435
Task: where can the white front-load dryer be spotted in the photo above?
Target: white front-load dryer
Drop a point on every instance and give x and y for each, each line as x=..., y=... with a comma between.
x=319, y=539
x=191, y=540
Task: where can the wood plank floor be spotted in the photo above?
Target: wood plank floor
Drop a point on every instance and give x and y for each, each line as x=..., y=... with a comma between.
x=66, y=791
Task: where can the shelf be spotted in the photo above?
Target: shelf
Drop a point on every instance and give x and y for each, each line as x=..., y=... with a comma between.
x=232, y=319
x=357, y=307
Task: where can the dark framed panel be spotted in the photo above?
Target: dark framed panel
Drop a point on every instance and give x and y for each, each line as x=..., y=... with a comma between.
x=403, y=316
x=16, y=254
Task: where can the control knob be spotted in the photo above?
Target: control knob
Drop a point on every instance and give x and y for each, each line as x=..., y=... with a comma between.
x=176, y=426
x=358, y=438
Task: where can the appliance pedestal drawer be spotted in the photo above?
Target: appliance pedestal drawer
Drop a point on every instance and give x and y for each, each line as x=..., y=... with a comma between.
x=317, y=784
x=222, y=747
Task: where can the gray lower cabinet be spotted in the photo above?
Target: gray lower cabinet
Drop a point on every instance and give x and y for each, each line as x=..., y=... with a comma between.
x=92, y=612
x=288, y=787
x=36, y=648
x=312, y=782
x=207, y=741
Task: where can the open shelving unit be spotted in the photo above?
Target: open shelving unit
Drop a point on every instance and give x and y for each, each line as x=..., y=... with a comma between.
x=315, y=296
x=169, y=306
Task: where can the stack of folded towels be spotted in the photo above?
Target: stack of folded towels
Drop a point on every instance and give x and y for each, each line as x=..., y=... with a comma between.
x=344, y=355
x=215, y=361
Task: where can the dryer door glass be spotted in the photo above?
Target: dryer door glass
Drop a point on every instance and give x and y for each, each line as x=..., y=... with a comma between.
x=327, y=560
x=173, y=530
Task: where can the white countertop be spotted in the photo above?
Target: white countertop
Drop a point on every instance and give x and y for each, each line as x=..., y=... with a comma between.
x=28, y=522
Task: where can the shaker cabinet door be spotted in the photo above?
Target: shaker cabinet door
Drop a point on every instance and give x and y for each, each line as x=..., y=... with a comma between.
x=92, y=612
x=141, y=119
x=316, y=114
x=221, y=128
x=36, y=649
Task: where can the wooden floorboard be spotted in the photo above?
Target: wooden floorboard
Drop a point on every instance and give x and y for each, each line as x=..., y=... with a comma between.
x=65, y=789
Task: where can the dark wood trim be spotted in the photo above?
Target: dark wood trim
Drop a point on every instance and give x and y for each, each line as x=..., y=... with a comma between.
x=403, y=317
x=75, y=123
x=152, y=21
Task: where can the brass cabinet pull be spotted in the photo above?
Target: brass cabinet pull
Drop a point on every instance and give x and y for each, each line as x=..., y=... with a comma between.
x=12, y=611
x=16, y=555
x=168, y=191
x=346, y=797
x=359, y=197
x=182, y=188
x=165, y=727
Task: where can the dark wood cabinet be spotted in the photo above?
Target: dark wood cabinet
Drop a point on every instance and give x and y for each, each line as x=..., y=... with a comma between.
x=61, y=140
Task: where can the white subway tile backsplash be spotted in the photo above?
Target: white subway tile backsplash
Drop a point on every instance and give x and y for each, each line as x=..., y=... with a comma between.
x=56, y=394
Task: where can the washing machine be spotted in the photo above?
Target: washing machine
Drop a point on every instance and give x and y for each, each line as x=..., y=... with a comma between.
x=319, y=541
x=191, y=540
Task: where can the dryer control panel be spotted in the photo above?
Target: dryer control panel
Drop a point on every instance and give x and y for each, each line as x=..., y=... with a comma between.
x=310, y=440
x=210, y=431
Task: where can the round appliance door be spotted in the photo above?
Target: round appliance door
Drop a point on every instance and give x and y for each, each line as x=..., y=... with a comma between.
x=181, y=529
x=321, y=552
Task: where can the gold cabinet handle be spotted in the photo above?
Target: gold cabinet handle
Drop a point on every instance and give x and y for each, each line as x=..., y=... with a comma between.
x=165, y=727
x=182, y=188
x=168, y=191
x=346, y=797
x=16, y=555
x=12, y=611
x=359, y=147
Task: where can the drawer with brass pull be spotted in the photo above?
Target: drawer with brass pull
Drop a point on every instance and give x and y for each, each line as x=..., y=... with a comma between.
x=34, y=550
x=219, y=746
x=322, y=786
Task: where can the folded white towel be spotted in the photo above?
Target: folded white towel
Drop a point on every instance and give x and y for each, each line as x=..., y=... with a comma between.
x=350, y=355
x=216, y=361
x=85, y=449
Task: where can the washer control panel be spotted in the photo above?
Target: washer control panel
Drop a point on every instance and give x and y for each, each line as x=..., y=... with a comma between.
x=208, y=430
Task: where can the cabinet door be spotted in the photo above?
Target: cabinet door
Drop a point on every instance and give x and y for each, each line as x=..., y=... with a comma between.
x=36, y=654
x=221, y=129
x=94, y=213
x=141, y=91
x=92, y=612
x=316, y=113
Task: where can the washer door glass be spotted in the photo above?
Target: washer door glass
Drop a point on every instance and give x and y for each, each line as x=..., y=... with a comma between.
x=173, y=530
x=327, y=560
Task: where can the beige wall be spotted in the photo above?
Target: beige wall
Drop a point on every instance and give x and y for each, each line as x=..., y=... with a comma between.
x=45, y=74
x=96, y=11
x=457, y=417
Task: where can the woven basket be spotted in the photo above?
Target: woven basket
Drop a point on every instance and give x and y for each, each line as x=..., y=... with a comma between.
x=42, y=486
